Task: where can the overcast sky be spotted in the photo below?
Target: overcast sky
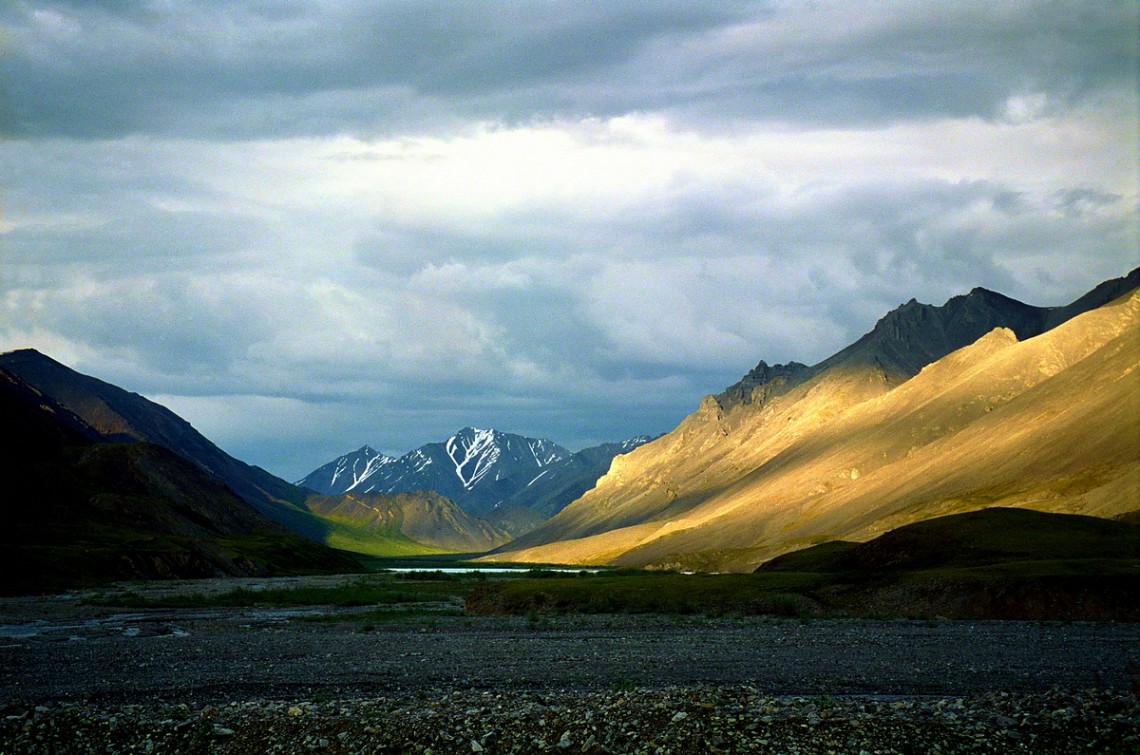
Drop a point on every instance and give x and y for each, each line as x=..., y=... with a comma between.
x=307, y=226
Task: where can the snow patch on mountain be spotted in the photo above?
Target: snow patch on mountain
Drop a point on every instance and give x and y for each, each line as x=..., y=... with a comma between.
x=632, y=443
x=347, y=472
x=474, y=454
x=358, y=467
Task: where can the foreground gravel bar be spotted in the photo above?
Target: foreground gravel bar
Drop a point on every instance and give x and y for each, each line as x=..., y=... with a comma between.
x=671, y=720
x=80, y=678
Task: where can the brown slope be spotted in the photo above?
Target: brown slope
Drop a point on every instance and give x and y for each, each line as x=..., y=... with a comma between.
x=771, y=407
x=421, y=516
x=708, y=452
x=999, y=422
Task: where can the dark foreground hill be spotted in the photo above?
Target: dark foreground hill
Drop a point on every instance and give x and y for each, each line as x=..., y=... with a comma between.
x=118, y=415
x=996, y=563
x=80, y=510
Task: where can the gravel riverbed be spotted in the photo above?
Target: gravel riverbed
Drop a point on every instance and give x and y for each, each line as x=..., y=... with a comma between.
x=667, y=720
x=81, y=678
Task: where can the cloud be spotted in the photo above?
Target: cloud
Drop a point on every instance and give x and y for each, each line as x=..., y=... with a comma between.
x=248, y=70
x=296, y=69
x=314, y=225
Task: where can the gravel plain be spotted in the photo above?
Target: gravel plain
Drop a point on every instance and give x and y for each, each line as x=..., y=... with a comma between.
x=81, y=678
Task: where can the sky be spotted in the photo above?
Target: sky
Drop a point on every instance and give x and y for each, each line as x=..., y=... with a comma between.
x=310, y=226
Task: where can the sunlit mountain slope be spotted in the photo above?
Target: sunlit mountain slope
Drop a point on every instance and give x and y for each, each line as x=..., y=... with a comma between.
x=421, y=521
x=851, y=448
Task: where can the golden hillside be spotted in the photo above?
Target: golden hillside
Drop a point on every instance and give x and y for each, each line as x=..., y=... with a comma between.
x=420, y=517
x=1050, y=423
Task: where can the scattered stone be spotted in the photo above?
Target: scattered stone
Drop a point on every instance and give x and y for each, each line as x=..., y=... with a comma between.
x=601, y=684
x=1098, y=719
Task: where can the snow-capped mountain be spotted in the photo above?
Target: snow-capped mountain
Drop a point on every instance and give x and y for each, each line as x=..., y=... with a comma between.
x=515, y=481
x=344, y=473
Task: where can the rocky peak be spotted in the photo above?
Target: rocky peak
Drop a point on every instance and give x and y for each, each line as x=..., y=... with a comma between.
x=762, y=383
x=915, y=334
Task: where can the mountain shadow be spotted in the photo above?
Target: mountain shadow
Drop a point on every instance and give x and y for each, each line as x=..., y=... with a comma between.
x=83, y=511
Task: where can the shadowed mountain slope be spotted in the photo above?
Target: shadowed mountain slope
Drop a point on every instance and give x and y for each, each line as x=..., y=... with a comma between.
x=852, y=447
x=78, y=510
x=121, y=416
x=102, y=412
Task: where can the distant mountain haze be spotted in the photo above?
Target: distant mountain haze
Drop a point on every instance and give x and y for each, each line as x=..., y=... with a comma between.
x=937, y=410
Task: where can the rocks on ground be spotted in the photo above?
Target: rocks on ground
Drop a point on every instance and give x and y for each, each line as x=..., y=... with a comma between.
x=676, y=720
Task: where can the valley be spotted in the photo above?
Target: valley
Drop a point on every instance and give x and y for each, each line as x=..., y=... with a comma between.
x=982, y=402
x=529, y=378
x=123, y=654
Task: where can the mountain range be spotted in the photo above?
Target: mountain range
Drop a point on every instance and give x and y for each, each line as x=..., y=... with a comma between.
x=514, y=482
x=72, y=419
x=492, y=473
x=983, y=401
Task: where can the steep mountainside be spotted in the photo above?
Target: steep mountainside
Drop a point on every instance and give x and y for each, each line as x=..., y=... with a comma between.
x=120, y=416
x=513, y=481
x=80, y=510
x=850, y=448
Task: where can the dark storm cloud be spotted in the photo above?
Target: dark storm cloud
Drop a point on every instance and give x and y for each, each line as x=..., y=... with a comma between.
x=272, y=69
x=870, y=63
x=93, y=70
